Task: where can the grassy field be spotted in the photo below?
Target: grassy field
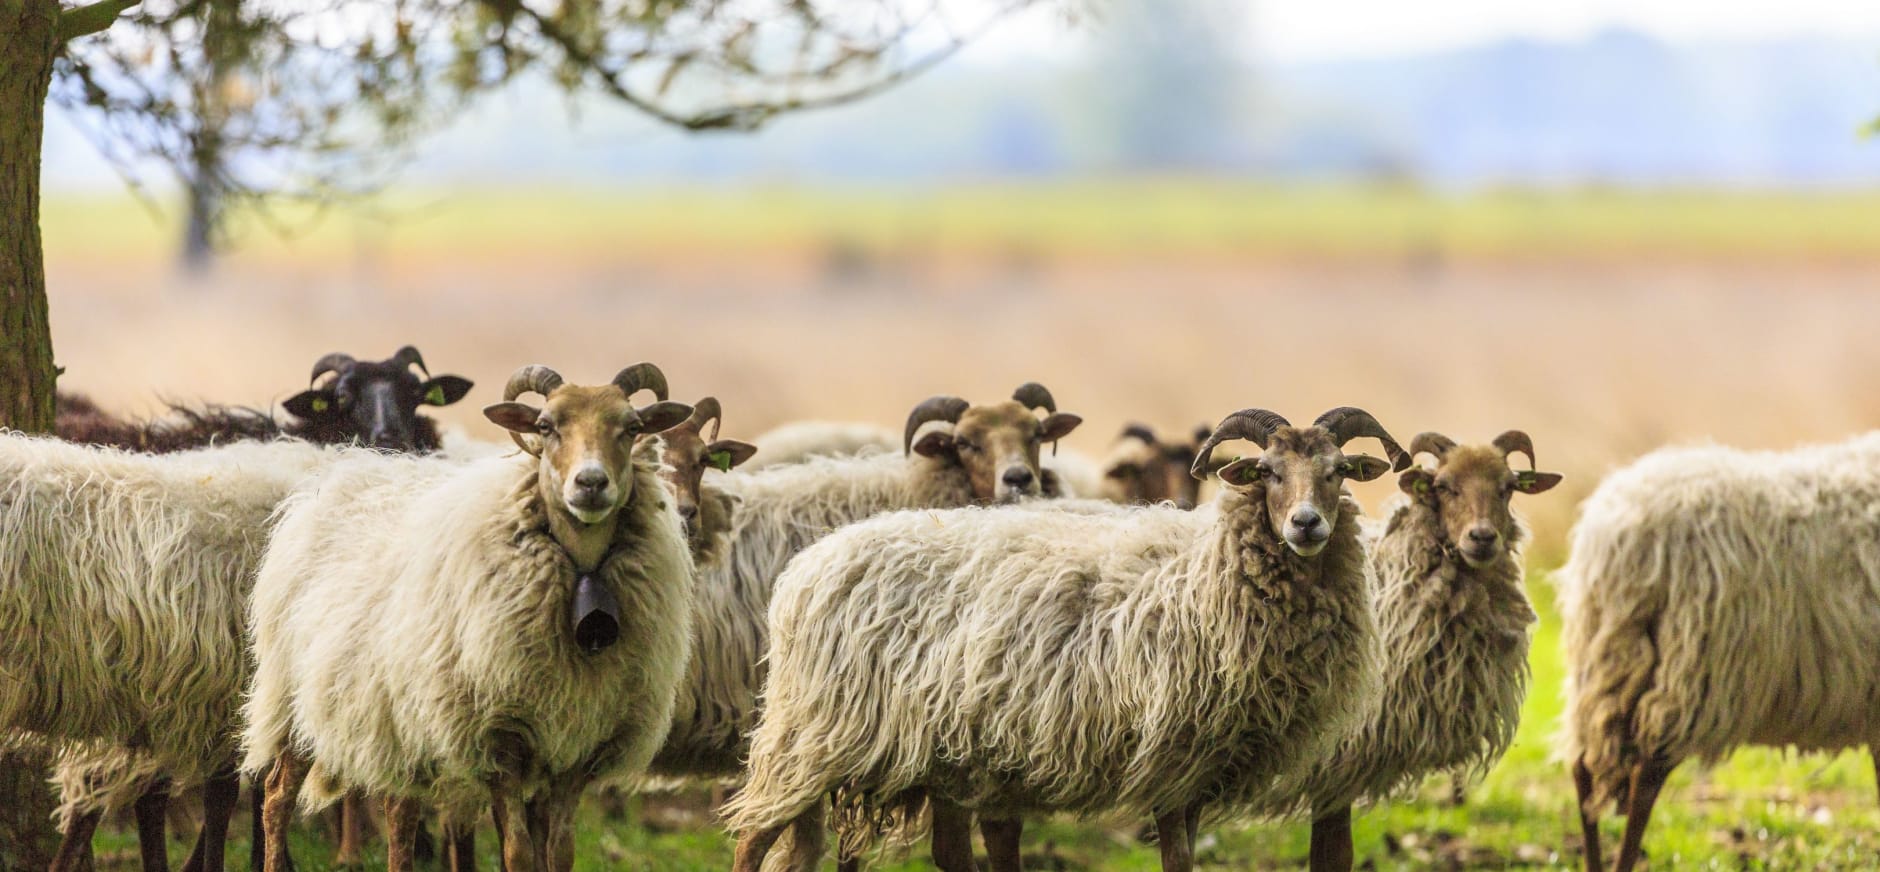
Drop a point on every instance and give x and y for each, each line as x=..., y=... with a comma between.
x=1604, y=324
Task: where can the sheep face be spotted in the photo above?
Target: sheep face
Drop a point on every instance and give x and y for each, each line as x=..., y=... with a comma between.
x=688, y=453
x=997, y=446
x=1138, y=468
x=586, y=444
x=1301, y=475
x=373, y=402
x=1469, y=490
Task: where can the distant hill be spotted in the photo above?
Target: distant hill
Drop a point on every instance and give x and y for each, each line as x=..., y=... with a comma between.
x=1617, y=108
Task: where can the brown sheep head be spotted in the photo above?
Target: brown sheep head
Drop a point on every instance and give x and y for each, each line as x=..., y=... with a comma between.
x=1469, y=490
x=374, y=403
x=996, y=445
x=1301, y=471
x=689, y=452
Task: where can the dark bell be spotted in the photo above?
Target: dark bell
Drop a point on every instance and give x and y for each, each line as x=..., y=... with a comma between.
x=596, y=616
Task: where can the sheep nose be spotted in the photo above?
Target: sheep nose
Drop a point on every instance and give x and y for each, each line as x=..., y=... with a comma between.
x=1018, y=477
x=1306, y=520
x=688, y=513
x=591, y=479
x=1482, y=535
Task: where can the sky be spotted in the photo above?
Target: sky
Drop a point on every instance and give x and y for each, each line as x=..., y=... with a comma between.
x=1298, y=31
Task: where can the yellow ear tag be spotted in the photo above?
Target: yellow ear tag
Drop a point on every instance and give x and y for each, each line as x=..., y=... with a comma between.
x=319, y=405
x=435, y=396
x=720, y=460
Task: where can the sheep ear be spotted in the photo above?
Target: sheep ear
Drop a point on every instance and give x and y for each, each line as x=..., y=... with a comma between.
x=1241, y=474
x=311, y=405
x=1058, y=426
x=727, y=453
x=934, y=443
x=1531, y=482
x=445, y=389
x=1417, y=482
x=514, y=417
x=1362, y=467
x=664, y=415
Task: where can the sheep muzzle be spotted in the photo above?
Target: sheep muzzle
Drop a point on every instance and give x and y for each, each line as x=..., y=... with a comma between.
x=596, y=615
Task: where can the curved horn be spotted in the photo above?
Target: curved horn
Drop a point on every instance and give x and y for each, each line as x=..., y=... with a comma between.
x=331, y=363
x=642, y=377
x=1515, y=440
x=705, y=410
x=1435, y=443
x=948, y=409
x=1138, y=432
x=534, y=377
x=409, y=357
x=1253, y=425
x=1347, y=423
x=1035, y=396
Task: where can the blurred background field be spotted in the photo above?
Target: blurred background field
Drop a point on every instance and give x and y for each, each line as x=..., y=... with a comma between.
x=1615, y=226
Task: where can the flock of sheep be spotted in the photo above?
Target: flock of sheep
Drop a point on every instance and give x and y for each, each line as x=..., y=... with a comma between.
x=877, y=635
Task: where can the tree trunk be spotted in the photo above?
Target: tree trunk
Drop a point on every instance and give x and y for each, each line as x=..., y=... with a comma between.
x=28, y=39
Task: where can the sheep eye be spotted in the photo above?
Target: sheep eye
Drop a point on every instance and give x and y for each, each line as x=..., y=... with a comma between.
x=545, y=427
x=1332, y=476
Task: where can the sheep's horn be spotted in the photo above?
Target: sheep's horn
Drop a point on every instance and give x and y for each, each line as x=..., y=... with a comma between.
x=1253, y=425
x=1035, y=396
x=1138, y=432
x=702, y=411
x=532, y=378
x=331, y=363
x=642, y=377
x=1515, y=440
x=1436, y=444
x=1347, y=423
x=409, y=357
x=948, y=409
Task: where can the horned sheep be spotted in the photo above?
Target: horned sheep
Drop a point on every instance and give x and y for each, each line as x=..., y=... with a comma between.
x=1454, y=617
x=505, y=629
x=1015, y=661
x=1716, y=598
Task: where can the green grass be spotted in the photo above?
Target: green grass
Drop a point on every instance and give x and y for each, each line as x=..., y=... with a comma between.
x=1152, y=216
x=1762, y=809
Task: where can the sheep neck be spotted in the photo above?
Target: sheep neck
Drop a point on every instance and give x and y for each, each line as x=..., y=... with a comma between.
x=587, y=544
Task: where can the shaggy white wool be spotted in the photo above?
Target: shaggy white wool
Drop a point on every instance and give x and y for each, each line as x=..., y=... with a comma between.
x=1717, y=598
x=780, y=511
x=798, y=441
x=410, y=630
x=1018, y=661
x=124, y=579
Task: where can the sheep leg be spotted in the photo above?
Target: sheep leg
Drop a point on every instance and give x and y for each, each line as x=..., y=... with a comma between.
x=807, y=838
x=150, y=810
x=1589, y=818
x=1194, y=826
x=1171, y=836
x=1001, y=835
x=513, y=826
x=1648, y=777
x=499, y=815
x=219, y=794
x=351, y=830
x=460, y=842
x=401, y=824
x=277, y=811
x=75, y=848
x=753, y=846
x=952, y=836
x=257, y=839
x=541, y=832
x=1331, y=841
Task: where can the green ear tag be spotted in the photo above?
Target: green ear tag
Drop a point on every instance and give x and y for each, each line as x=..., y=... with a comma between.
x=435, y=396
x=1525, y=479
x=319, y=405
x=1422, y=486
x=720, y=460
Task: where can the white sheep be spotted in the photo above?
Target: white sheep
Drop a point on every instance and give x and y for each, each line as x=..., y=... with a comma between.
x=1454, y=619
x=1716, y=598
x=798, y=441
x=1017, y=661
x=461, y=633
x=132, y=572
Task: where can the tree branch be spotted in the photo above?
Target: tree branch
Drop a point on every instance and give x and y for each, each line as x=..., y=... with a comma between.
x=87, y=20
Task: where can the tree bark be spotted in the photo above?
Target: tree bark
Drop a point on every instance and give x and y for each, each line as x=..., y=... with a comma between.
x=28, y=40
